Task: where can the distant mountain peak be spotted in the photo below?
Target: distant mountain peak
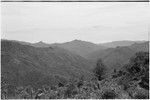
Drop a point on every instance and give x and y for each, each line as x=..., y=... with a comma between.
x=76, y=40
x=80, y=41
x=79, y=47
x=41, y=42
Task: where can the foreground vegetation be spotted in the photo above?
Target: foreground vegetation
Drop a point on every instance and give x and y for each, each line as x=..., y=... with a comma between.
x=130, y=82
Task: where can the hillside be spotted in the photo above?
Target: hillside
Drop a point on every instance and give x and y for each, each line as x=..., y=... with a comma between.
x=24, y=64
x=79, y=47
x=116, y=57
x=140, y=46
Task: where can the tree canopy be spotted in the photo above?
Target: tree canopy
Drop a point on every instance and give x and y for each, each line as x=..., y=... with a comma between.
x=100, y=70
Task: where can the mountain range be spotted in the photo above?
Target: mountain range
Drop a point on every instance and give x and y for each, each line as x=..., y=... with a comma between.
x=27, y=63
x=83, y=48
x=116, y=57
x=23, y=64
x=79, y=47
x=114, y=44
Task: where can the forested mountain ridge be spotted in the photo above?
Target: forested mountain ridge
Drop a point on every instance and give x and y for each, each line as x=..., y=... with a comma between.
x=19, y=61
x=83, y=48
x=116, y=57
x=79, y=47
x=57, y=73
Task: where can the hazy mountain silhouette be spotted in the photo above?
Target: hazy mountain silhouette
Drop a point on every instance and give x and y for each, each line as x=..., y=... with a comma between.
x=83, y=48
x=38, y=44
x=120, y=43
x=21, y=62
x=79, y=47
x=116, y=57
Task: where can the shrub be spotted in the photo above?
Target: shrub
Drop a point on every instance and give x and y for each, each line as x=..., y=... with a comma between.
x=70, y=91
x=109, y=95
x=141, y=96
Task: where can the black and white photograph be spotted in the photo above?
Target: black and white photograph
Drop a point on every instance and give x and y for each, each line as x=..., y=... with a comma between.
x=63, y=49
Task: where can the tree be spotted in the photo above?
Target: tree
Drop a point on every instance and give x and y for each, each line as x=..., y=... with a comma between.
x=139, y=64
x=138, y=69
x=100, y=70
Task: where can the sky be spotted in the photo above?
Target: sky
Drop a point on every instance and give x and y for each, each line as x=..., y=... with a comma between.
x=96, y=22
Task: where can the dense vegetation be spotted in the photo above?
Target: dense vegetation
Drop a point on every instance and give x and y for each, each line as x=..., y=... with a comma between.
x=29, y=72
x=129, y=82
